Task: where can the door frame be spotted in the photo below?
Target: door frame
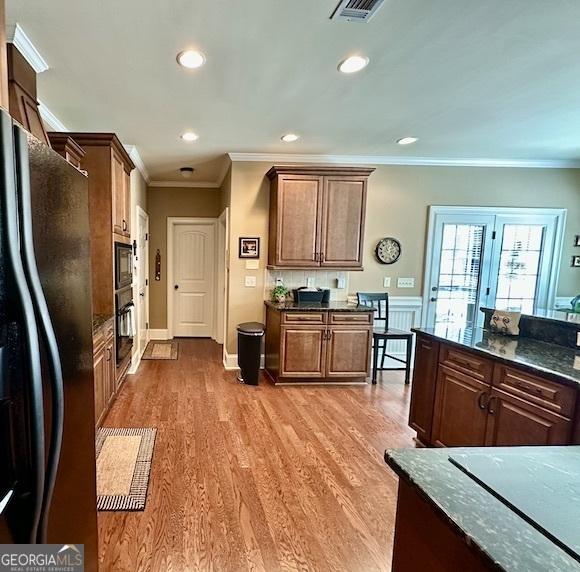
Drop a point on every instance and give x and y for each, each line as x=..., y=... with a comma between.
x=222, y=281
x=141, y=213
x=172, y=222
x=435, y=211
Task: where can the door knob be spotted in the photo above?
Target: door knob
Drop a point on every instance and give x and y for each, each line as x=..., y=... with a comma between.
x=176, y=287
x=433, y=299
x=142, y=294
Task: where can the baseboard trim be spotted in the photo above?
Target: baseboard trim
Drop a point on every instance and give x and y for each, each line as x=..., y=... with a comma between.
x=158, y=334
x=230, y=361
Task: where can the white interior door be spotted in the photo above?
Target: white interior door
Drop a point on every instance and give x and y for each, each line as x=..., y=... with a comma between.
x=142, y=280
x=193, y=276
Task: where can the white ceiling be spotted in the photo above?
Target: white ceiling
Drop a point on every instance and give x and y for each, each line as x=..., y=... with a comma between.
x=470, y=78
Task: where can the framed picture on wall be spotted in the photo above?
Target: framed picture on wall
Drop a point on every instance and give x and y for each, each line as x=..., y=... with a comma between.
x=249, y=247
x=575, y=261
x=577, y=240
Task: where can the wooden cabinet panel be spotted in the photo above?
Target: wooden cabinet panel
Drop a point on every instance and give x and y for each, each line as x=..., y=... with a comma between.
x=423, y=388
x=343, y=221
x=100, y=375
x=350, y=318
x=513, y=421
x=548, y=394
x=298, y=221
x=460, y=414
x=127, y=202
x=302, y=351
x=118, y=184
x=467, y=362
x=304, y=317
x=348, y=352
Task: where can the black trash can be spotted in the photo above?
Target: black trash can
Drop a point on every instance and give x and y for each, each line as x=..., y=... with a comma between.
x=250, y=336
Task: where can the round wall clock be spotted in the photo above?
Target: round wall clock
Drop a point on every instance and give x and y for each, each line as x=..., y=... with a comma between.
x=388, y=250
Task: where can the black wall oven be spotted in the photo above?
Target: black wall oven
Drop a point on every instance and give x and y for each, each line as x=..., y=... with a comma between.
x=125, y=317
x=123, y=265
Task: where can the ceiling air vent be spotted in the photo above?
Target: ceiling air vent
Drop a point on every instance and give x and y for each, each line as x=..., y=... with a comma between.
x=356, y=10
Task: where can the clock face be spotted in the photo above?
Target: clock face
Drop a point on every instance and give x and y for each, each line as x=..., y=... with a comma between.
x=388, y=250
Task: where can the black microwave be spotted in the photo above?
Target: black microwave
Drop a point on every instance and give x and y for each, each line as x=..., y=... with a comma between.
x=123, y=265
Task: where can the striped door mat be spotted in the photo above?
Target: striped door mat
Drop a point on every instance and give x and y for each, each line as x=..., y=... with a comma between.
x=123, y=467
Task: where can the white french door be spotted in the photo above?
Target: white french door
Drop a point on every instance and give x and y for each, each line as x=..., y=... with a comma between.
x=501, y=258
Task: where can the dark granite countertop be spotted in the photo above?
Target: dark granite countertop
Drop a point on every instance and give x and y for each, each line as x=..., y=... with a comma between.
x=99, y=320
x=507, y=541
x=557, y=362
x=291, y=306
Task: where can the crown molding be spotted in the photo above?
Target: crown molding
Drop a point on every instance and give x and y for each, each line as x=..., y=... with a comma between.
x=51, y=120
x=184, y=184
x=409, y=161
x=17, y=36
x=136, y=158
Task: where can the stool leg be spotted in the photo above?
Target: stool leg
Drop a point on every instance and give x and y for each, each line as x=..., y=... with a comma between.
x=375, y=360
x=384, y=353
x=408, y=362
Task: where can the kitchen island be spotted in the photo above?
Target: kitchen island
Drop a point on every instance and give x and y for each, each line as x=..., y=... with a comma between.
x=318, y=343
x=512, y=509
x=472, y=387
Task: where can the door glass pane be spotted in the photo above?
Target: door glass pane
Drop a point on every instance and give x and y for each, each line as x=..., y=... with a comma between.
x=519, y=267
x=459, y=273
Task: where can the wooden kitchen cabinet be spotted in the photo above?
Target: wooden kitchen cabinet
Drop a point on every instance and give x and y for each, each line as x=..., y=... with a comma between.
x=317, y=346
x=67, y=147
x=460, y=413
x=317, y=217
x=513, y=421
x=104, y=369
x=121, y=196
x=423, y=389
x=302, y=351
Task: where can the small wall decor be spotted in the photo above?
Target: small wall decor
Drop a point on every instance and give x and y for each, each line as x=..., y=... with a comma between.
x=388, y=250
x=577, y=240
x=249, y=247
x=158, y=265
x=575, y=261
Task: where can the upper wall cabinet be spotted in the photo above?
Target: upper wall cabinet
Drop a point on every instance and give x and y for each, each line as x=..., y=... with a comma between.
x=317, y=217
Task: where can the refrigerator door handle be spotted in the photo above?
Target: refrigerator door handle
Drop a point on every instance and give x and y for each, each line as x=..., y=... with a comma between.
x=9, y=197
x=44, y=321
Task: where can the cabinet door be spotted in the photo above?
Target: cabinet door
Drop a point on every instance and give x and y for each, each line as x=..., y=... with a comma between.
x=127, y=202
x=299, y=213
x=348, y=352
x=111, y=370
x=513, y=421
x=100, y=369
x=423, y=387
x=343, y=221
x=118, y=186
x=302, y=351
x=460, y=413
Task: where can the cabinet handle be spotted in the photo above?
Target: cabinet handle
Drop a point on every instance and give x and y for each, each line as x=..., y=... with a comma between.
x=109, y=354
x=322, y=257
x=490, y=409
x=124, y=224
x=482, y=403
x=316, y=256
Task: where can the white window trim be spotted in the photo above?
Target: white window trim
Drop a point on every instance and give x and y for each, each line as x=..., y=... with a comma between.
x=435, y=211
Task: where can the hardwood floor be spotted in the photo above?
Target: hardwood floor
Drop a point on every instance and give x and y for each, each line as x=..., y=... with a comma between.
x=257, y=478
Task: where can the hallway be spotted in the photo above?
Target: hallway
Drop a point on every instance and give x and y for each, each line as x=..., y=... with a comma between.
x=257, y=478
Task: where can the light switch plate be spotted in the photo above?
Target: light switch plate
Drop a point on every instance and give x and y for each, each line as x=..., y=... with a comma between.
x=252, y=264
x=405, y=283
x=310, y=282
x=341, y=282
x=387, y=282
x=578, y=339
x=250, y=282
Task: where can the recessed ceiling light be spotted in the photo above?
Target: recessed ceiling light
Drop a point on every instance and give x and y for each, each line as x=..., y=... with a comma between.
x=407, y=140
x=186, y=172
x=190, y=59
x=290, y=137
x=353, y=64
x=189, y=136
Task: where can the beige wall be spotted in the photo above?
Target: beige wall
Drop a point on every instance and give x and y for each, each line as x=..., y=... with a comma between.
x=171, y=202
x=398, y=201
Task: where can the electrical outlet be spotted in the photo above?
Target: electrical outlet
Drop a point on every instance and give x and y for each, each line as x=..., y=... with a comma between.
x=250, y=282
x=310, y=282
x=405, y=283
x=341, y=282
x=578, y=339
x=387, y=282
x=576, y=362
x=279, y=281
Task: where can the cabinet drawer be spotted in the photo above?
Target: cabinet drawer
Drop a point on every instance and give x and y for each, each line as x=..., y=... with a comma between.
x=479, y=368
x=355, y=318
x=303, y=317
x=548, y=394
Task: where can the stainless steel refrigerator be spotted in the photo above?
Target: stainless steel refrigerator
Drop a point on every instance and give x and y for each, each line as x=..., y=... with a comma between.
x=47, y=435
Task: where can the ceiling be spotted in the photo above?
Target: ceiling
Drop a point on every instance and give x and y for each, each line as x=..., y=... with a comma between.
x=470, y=78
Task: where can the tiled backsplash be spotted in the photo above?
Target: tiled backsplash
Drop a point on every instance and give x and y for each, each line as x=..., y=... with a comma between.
x=297, y=278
